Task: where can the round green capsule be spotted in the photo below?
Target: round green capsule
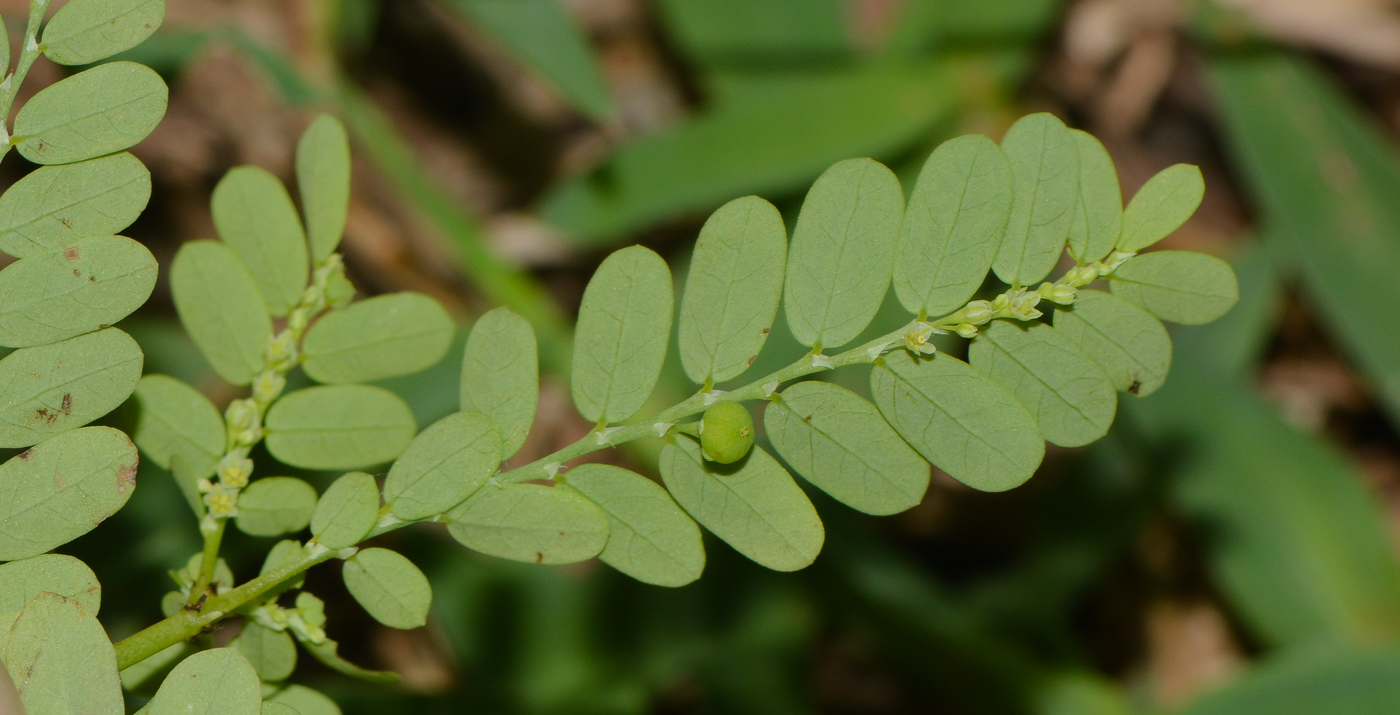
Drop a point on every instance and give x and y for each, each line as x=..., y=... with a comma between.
x=726, y=432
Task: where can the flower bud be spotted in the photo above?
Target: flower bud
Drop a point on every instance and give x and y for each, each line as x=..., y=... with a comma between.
x=726, y=432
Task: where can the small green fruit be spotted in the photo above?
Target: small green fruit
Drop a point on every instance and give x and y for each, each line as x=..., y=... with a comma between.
x=726, y=432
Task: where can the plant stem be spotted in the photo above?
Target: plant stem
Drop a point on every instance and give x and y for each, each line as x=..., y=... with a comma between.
x=209, y=561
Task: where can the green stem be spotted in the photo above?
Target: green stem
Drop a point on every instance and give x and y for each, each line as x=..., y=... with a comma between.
x=209, y=561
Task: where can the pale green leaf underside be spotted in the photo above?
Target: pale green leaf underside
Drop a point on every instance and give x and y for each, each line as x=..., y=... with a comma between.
x=55, y=388
x=174, y=418
x=840, y=443
x=323, y=179
x=87, y=285
x=61, y=489
x=389, y=587
x=60, y=660
x=1178, y=286
x=55, y=206
x=141, y=676
x=347, y=511
x=531, y=523
x=307, y=700
x=221, y=308
x=443, y=466
x=1045, y=171
x=385, y=336
x=339, y=427
x=1067, y=392
x=953, y=226
x=103, y=110
x=1098, y=214
x=1131, y=346
x=212, y=682
x=21, y=581
x=842, y=253
x=650, y=538
x=1161, y=206
x=624, y=325
x=274, y=506
x=962, y=422
x=501, y=375
x=753, y=505
x=272, y=654
x=732, y=290
x=256, y=218
x=85, y=31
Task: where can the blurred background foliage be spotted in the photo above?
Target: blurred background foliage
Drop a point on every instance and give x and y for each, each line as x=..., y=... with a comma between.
x=1229, y=548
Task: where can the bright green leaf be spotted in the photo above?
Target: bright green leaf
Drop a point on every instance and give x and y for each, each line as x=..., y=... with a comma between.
x=967, y=425
x=1045, y=168
x=842, y=253
x=328, y=653
x=256, y=218
x=176, y=419
x=747, y=34
x=90, y=284
x=85, y=31
x=650, y=538
x=732, y=290
x=752, y=504
x=389, y=587
x=221, y=308
x=443, y=466
x=531, y=523
x=501, y=375
x=307, y=701
x=1178, y=286
x=54, y=388
x=272, y=654
x=54, y=206
x=347, y=511
x=339, y=427
x=61, y=661
x=1098, y=215
x=624, y=325
x=275, y=505
x=103, y=110
x=385, y=336
x=212, y=682
x=21, y=581
x=323, y=178
x=839, y=442
x=1161, y=206
x=953, y=226
x=1129, y=344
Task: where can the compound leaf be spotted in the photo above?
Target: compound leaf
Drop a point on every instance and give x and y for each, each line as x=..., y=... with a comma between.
x=176, y=419
x=840, y=443
x=649, y=537
x=103, y=110
x=1098, y=215
x=752, y=504
x=61, y=661
x=501, y=375
x=54, y=388
x=327, y=652
x=531, y=523
x=87, y=285
x=55, y=206
x=1161, y=206
x=1130, y=345
x=218, y=681
x=1045, y=168
x=385, y=336
x=953, y=226
x=967, y=425
x=443, y=466
x=275, y=506
x=21, y=581
x=221, y=308
x=624, y=324
x=85, y=31
x=272, y=654
x=339, y=427
x=323, y=178
x=347, y=511
x=256, y=218
x=1178, y=286
x=389, y=587
x=732, y=290
x=842, y=253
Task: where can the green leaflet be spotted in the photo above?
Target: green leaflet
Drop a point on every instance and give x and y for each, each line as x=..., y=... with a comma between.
x=732, y=290
x=389, y=587
x=501, y=375
x=967, y=425
x=327, y=653
x=1045, y=167
x=1068, y=393
x=144, y=676
x=275, y=506
x=323, y=178
x=85, y=31
x=443, y=466
x=272, y=654
x=1339, y=680
x=1098, y=214
x=256, y=218
x=287, y=552
x=339, y=427
x=752, y=504
x=842, y=253
x=840, y=443
x=649, y=537
x=61, y=661
x=747, y=34
x=305, y=701
x=4, y=48
x=385, y=336
x=624, y=325
x=1130, y=345
x=87, y=285
x=103, y=110
x=531, y=523
x=1178, y=286
x=21, y=581
x=176, y=419
x=218, y=681
x=221, y=308
x=1161, y=206
x=55, y=206
x=347, y=511
x=54, y=388
x=953, y=226
x=278, y=709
